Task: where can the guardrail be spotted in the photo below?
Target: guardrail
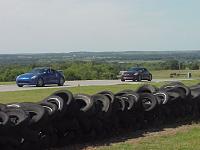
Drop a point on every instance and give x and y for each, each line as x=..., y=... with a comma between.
x=187, y=75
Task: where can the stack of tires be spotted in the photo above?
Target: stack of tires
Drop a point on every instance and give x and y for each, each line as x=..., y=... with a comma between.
x=63, y=118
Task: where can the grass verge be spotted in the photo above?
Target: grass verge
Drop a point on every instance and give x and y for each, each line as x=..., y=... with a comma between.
x=180, y=138
x=36, y=95
x=7, y=83
x=160, y=74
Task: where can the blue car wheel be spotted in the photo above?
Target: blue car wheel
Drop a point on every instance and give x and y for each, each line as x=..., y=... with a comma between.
x=40, y=82
x=61, y=81
x=20, y=85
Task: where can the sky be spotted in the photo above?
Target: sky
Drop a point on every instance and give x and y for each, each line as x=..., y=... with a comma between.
x=42, y=26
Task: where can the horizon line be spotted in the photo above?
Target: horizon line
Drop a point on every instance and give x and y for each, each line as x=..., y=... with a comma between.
x=31, y=53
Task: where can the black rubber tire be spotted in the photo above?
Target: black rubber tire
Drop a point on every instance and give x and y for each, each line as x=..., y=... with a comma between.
x=17, y=117
x=59, y=102
x=130, y=99
x=102, y=102
x=4, y=120
x=195, y=94
x=149, y=101
x=162, y=97
x=13, y=105
x=65, y=95
x=122, y=80
x=84, y=103
x=184, y=91
x=20, y=85
x=37, y=113
x=40, y=82
x=119, y=103
x=8, y=147
x=173, y=96
x=61, y=81
x=2, y=106
x=132, y=93
x=50, y=108
x=147, y=88
x=109, y=94
x=195, y=87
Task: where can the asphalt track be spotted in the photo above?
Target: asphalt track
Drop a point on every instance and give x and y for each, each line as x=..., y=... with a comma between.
x=14, y=87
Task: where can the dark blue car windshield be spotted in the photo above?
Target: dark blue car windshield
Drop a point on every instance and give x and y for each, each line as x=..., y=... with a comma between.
x=35, y=71
x=134, y=69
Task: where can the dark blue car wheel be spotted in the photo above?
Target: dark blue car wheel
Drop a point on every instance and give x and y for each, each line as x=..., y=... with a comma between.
x=139, y=78
x=20, y=85
x=61, y=81
x=40, y=82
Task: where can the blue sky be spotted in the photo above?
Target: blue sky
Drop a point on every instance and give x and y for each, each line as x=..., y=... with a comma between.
x=32, y=26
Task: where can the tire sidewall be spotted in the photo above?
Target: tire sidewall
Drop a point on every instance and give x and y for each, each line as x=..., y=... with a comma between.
x=19, y=85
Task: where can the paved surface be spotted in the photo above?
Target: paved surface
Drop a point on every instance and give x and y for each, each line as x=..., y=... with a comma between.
x=4, y=88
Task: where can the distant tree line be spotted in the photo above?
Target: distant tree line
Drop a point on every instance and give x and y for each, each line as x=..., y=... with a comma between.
x=99, y=56
x=86, y=70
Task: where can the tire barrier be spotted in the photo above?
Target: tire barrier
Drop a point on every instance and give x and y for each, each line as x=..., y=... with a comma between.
x=63, y=118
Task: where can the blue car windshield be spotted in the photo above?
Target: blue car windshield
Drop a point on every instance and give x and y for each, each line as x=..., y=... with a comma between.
x=134, y=69
x=36, y=71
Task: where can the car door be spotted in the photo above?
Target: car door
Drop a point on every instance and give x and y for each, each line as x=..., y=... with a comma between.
x=145, y=73
x=141, y=71
x=51, y=76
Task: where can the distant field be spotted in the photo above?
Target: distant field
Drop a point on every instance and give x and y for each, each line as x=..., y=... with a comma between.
x=7, y=83
x=159, y=74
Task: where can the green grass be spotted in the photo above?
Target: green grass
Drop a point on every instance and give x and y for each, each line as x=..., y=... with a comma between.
x=7, y=83
x=36, y=95
x=181, y=140
x=159, y=74
x=121, y=146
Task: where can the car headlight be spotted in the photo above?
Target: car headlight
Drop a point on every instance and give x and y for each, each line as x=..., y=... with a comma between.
x=33, y=77
x=136, y=73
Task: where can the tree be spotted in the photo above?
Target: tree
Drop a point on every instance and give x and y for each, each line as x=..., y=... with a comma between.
x=194, y=66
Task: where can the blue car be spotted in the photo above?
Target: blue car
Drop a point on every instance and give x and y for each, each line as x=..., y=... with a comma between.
x=40, y=77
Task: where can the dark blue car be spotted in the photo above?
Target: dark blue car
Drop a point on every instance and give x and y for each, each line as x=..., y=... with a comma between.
x=40, y=77
x=136, y=73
